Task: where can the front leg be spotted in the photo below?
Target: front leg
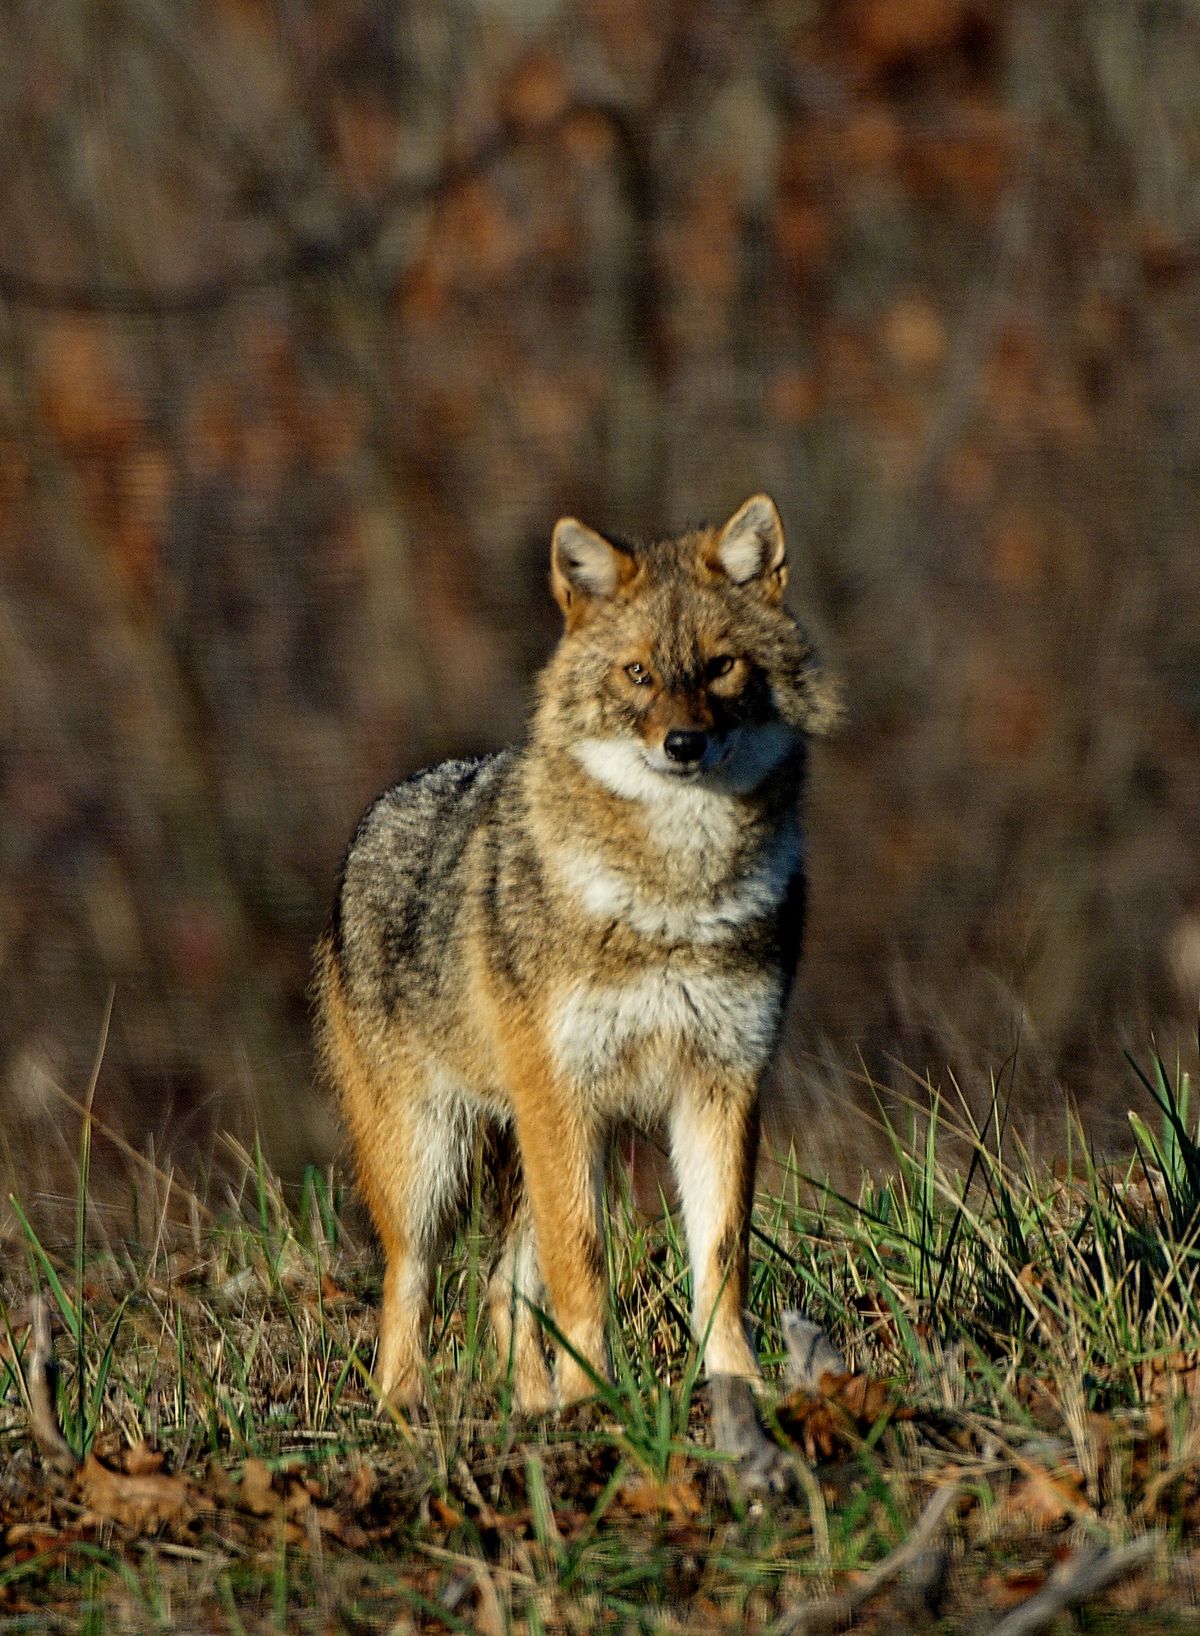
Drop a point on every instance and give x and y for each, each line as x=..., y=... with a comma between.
x=561, y=1152
x=561, y=1157
x=714, y=1146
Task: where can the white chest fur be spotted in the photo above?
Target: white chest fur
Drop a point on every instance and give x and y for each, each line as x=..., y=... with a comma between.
x=729, y=1020
x=607, y=893
x=683, y=815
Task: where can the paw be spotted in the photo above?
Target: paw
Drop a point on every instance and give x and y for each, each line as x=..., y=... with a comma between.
x=759, y=1464
x=530, y=1380
x=402, y=1388
x=534, y=1399
x=586, y=1416
x=577, y=1384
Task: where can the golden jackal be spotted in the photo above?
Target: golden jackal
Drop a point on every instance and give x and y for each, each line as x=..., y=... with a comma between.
x=599, y=924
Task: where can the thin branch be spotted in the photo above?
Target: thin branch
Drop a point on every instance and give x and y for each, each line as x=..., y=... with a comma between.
x=1073, y=1581
x=309, y=256
x=41, y=1366
x=832, y=1612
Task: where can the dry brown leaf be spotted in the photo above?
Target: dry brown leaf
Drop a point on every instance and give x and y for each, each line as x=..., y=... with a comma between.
x=255, y=1492
x=331, y=1293
x=914, y=334
x=838, y=1414
x=794, y=396
x=676, y=1497
x=343, y=1529
x=364, y=1480
x=140, y=1501
x=29, y=1539
x=890, y=32
x=140, y=1459
x=860, y=1396
x=518, y=1522
x=1043, y=1497
x=538, y=91
x=589, y=135
x=1006, y=1590
x=298, y=1493
x=1041, y=1398
x=219, y=1484
x=444, y=1514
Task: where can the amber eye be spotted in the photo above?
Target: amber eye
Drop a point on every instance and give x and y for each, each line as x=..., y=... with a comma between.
x=720, y=666
x=638, y=674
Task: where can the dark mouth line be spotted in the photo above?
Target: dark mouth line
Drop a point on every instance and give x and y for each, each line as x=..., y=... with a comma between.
x=696, y=770
x=687, y=775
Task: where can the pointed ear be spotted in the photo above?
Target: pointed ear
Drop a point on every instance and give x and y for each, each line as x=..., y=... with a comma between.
x=750, y=548
x=585, y=568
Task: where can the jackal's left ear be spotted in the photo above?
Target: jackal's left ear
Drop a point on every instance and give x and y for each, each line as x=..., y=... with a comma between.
x=750, y=548
x=585, y=568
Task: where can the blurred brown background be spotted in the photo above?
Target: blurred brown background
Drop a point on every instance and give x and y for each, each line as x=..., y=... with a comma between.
x=313, y=317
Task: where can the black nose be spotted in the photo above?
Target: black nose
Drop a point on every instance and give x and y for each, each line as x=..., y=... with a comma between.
x=685, y=744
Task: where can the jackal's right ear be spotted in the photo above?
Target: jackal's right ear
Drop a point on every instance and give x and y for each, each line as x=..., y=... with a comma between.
x=585, y=568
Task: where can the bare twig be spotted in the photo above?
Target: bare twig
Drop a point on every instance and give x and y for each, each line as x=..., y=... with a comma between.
x=310, y=255
x=831, y=1612
x=40, y=1369
x=1073, y=1581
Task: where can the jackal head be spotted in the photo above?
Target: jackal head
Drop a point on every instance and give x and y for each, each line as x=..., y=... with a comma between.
x=679, y=660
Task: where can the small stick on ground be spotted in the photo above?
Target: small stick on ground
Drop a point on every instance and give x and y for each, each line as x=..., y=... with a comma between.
x=41, y=1367
x=832, y=1612
x=1073, y=1581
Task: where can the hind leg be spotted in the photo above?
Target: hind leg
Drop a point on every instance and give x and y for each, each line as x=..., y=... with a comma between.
x=412, y=1132
x=514, y=1283
x=415, y=1180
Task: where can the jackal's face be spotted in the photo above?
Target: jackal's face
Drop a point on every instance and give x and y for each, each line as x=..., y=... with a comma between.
x=679, y=660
